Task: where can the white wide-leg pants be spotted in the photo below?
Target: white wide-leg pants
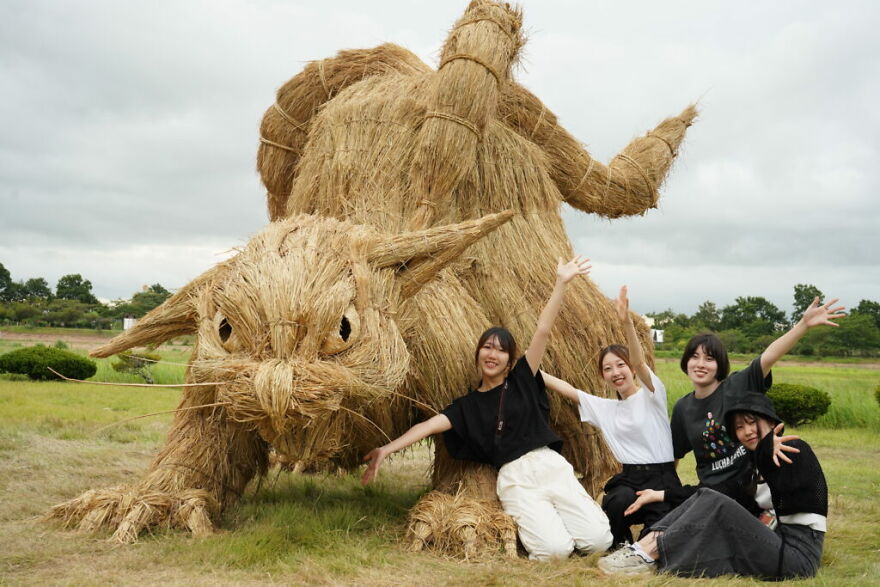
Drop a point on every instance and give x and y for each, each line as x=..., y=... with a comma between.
x=553, y=513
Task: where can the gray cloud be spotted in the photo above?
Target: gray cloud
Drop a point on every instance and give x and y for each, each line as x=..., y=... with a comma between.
x=130, y=132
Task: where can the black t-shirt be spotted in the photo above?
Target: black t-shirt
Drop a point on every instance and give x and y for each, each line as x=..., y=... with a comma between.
x=525, y=413
x=697, y=425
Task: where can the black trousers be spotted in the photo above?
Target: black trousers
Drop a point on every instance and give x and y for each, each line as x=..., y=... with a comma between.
x=620, y=493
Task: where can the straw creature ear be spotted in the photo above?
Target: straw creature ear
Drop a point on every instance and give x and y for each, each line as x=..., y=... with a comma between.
x=175, y=317
x=420, y=255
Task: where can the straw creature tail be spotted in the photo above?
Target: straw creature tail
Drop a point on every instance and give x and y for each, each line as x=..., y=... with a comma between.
x=628, y=185
x=204, y=466
x=475, y=64
x=285, y=127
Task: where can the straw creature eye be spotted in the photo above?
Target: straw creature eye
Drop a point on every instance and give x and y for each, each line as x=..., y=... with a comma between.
x=224, y=329
x=346, y=334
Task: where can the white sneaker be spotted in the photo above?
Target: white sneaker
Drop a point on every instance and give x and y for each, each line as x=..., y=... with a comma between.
x=625, y=561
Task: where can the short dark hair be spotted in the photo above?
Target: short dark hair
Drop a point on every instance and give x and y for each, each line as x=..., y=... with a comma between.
x=505, y=341
x=713, y=347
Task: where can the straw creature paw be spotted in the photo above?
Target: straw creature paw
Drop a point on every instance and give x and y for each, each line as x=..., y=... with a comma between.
x=130, y=510
x=460, y=526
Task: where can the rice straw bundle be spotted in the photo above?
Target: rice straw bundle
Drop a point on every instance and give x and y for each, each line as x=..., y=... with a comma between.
x=411, y=209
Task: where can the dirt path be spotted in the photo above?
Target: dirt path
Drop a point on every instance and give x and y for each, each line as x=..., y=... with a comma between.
x=78, y=341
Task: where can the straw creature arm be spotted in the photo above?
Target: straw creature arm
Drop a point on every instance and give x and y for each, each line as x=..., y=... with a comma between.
x=636, y=353
x=285, y=126
x=628, y=185
x=815, y=315
x=435, y=425
x=565, y=272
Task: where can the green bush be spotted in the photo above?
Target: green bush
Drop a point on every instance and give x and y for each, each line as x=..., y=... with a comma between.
x=139, y=363
x=35, y=362
x=60, y=344
x=798, y=404
x=877, y=394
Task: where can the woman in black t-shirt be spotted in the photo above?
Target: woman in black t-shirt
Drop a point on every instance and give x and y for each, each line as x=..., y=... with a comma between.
x=504, y=422
x=696, y=418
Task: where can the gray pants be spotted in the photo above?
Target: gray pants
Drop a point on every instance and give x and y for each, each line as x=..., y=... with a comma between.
x=711, y=535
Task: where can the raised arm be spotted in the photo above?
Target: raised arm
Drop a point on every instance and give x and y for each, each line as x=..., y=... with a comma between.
x=636, y=354
x=563, y=388
x=565, y=272
x=434, y=425
x=815, y=315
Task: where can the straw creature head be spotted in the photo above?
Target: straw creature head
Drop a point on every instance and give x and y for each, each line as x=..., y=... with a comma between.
x=303, y=320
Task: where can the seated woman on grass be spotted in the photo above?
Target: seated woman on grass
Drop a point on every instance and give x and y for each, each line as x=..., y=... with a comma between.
x=505, y=422
x=711, y=535
x=635, y=427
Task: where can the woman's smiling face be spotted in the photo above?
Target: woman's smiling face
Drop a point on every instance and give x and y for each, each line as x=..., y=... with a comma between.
x=702, y=369
x=618, y=375
x=492, y=359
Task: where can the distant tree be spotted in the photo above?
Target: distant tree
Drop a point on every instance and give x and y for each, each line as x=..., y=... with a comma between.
x=5, y=282
x=857, y=334
x=869, y=308
x=36, y=287
x=707, y=317
x=734, y=340
x=14, y=292
x=65, y=313
x=142, y=302
x=158, y=289
x=666, y=318
x=746, y=310
x=804, y=294
x=74, y=287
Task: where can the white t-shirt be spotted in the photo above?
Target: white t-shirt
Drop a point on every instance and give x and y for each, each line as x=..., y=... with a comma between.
x=636, y=429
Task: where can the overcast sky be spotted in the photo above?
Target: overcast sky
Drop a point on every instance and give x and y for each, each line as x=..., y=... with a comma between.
x=130, y=128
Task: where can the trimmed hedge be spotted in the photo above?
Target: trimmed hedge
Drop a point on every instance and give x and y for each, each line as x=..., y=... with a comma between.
x=798, y=404
x=34, y=362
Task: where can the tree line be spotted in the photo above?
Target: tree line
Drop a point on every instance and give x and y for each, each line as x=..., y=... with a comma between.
x=32, y=302
x=752, y=322
x=746, y=326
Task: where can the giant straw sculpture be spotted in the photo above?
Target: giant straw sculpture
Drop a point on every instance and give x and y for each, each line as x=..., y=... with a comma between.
x=411, y=208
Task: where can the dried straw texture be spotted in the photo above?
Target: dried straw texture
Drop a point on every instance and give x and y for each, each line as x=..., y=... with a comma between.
x=451, y=523
x=380, y=154
x=301, y=332
x=354, y=314
x=410, y=149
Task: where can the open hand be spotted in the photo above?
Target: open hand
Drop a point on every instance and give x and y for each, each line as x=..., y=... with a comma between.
x=779, y=449
x=622, y=304
x=374, y=458
x=565, y=272
x=645, y=496
x=818, y=314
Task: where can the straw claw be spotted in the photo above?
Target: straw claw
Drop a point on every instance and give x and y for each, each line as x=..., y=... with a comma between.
x=461, y=526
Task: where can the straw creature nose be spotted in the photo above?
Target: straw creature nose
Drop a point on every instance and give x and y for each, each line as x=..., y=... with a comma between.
x=289, y=338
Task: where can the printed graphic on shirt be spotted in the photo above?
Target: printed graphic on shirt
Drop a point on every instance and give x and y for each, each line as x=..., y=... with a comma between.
x=716, y=441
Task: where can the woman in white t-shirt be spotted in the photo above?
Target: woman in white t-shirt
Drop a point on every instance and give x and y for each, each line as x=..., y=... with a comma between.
x=635, y=427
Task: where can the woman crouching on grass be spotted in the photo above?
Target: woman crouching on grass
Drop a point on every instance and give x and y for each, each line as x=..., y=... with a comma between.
x=635, y=427
x=504, y=422
x=711, y=535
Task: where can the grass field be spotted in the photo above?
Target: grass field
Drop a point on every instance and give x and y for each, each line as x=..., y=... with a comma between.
x=55, y=443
